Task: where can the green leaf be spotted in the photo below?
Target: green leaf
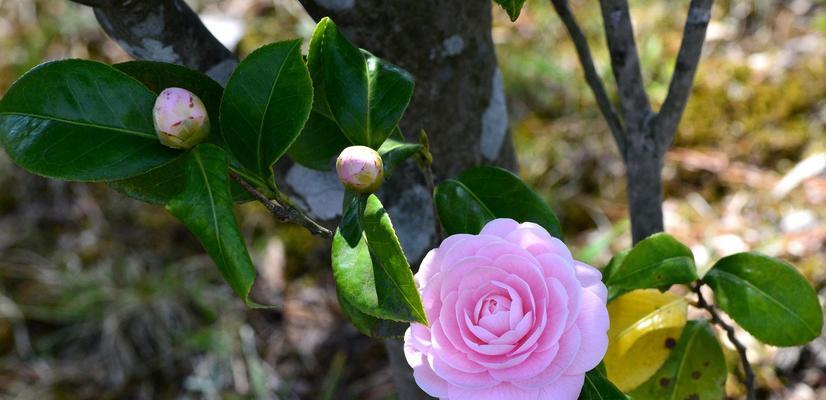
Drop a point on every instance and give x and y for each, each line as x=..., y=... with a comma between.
x=507, y=196
x=319, y=143
x=598, y=387
x=767, y=297
x=394, y=152
x=157, y=186
x=370, y=269
x=365, y=95
x=657, y=261
x=460, y=211
x=81, y=121
x=695, y=369
x=513, y=7
x=613, y=265
x=394, y=272
x=205, y=207
x=369, y=325
x=265, y=105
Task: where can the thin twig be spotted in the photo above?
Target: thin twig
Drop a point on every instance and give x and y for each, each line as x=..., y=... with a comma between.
x=741, y=350
x=285, y=213
x=591, y=76
x=425, y=162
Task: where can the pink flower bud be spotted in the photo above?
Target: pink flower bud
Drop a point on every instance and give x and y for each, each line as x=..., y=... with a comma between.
x=181, y=120
x=360, y=169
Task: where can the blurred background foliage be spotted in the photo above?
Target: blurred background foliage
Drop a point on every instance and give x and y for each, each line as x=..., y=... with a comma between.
x=105, y=297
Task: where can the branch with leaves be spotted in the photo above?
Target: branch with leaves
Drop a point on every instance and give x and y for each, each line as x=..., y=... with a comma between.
x=284, y=212
x=732, y=337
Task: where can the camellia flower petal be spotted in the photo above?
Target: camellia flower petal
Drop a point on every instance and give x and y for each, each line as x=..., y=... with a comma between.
x=513, y=316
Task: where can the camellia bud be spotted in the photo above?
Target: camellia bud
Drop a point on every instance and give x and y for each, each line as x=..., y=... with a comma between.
x=181, y=120
x=360, y=169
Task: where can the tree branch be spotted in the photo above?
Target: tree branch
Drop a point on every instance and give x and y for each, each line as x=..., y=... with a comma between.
x=164, y=30
x=91, y=3
x=685, y=68
x=619, y=33
x=741, y=350
x=591, y=76
x=285, y=213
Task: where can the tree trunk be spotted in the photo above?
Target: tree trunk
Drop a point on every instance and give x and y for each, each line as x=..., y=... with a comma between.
x=643, y=166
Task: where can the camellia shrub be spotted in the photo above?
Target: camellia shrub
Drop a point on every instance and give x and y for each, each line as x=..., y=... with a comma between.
x=500, y=310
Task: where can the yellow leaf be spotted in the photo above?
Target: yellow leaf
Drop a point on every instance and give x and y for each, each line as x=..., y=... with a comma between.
x=645, y=326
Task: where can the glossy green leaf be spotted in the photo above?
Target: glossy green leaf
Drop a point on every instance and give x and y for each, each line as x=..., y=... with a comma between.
x=319, y=143
x=369, y=325
x=696, y=369
x=512, y=7
x=657, y=261
x=364, y=94
x=81, y=121
x=205, y=207
x=394, y=152
x=613, y=265
x=265, y=105
x=507, y=196
x=369, y=266
x=157, y=186
x=598, y=387
x=460, y=211
x=767, y=297
x=394, y=271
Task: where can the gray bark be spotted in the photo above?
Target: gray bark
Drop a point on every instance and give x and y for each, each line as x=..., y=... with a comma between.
x=164, y=30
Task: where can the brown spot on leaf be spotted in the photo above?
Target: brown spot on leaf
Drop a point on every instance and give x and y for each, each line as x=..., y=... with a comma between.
x=664, y=382
x=693, y=396
x=696, y=375
x=670, y=343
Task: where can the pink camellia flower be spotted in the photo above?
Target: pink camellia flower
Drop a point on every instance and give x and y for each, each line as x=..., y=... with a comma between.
x=512, y=314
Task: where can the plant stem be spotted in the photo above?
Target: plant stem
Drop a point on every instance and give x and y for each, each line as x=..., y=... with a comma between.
x=284, y=212
x=741, y=350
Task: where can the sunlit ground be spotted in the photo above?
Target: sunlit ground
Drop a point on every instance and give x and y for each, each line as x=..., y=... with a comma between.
x=101, y=296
